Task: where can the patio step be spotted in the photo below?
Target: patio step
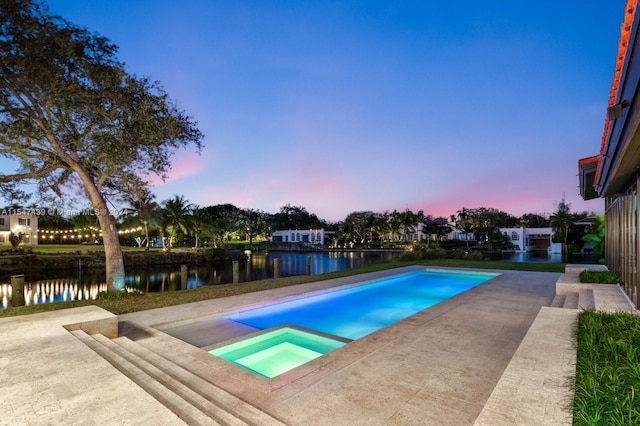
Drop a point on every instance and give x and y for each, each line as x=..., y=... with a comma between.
x=159, y=389
x=586, y=299
x=571, y=301
x=192, y=398
x=611, y=298
x=223, y=400
x=558, y=301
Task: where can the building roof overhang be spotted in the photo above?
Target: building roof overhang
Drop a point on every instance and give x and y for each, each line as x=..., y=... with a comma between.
x=619, y=157
x=587, y=172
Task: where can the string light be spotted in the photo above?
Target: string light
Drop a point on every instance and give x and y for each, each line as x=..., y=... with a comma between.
x=72, y=233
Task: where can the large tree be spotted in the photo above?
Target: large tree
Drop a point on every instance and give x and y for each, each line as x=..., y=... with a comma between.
x=357, y=226
x=295, y=217
x=485, y=223
x=73, y=117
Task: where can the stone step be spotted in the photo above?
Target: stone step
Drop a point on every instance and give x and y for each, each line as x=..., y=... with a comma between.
x=173, y=377
x=182, y=408
x=611, y=298
x=571, y=301
x=585, y=299
x=223, y=400
x=558, y=301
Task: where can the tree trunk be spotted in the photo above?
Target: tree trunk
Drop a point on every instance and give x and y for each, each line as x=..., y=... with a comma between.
x=113, y=252
x=146, y=233
x=114, y=263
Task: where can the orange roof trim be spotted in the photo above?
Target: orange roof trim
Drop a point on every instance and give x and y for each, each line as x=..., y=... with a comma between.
x=588, y=160
x=623, y=44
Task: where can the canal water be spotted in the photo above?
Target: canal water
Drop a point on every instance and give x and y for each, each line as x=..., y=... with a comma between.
x=86, y=284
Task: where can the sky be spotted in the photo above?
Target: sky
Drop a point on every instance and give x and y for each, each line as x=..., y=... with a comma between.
x=343, y=106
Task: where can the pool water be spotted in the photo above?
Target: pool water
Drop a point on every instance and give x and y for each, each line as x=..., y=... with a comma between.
x=357, y=311
x=349, y=313
x=276, y=352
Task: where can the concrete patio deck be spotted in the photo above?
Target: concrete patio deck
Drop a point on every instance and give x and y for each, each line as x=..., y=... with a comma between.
x=440, y=366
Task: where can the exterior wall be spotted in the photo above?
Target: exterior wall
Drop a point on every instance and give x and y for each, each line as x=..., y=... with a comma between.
x=457, y=234
x=621, y=239
x=529, y=239
x=20, y=224
x=306, y=236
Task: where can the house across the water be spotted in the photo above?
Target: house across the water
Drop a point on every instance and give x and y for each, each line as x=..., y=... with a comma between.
x=306, y=236
x=22, y=225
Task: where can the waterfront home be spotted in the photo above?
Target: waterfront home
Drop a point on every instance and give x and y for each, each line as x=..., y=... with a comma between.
x=22, y=224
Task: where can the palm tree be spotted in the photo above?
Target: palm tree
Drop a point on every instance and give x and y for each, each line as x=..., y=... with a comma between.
x=561, y=222
x=176, y=217
x=199, y=221
x=395, y=223
x=465, y=224
x=145, y=209
x=381, y=226
x=407, y=224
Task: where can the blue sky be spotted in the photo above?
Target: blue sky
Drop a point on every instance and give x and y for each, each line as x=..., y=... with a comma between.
x=341, y=106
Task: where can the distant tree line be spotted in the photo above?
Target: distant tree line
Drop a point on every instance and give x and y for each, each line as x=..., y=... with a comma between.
x=177, y=222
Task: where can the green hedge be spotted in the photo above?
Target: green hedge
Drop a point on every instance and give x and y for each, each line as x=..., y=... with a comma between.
x=607, y=383
x=600, y=277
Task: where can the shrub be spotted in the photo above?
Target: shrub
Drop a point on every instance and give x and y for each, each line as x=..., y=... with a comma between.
x=607, y=369
x=424, y=253
x=599, y=277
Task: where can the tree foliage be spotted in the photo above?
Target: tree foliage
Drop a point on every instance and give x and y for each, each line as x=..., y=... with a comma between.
x=295, y=217
x=357, y=226
x=73, y=118
x=562, y=222
x=485, y=223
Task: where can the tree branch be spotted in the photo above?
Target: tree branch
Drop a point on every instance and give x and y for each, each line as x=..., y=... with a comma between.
x=37, y=174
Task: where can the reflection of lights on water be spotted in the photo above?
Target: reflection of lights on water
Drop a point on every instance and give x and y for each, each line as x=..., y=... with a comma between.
x=54, y=291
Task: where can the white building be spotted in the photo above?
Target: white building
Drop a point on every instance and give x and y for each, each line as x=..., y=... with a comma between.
x=532, y=239
x=24, y=225
x=523, y=239
x=308, y=236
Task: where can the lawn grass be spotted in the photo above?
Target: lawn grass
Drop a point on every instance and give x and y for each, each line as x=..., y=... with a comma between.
x=171, y=298
x=607, y=382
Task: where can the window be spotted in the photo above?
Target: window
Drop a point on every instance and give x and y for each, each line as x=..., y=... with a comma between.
x=515, y=236
x=1, y=221
x=24, y=222
x=2, y=238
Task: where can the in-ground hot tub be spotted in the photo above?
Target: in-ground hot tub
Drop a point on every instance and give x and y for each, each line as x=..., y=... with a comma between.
x=276, y=352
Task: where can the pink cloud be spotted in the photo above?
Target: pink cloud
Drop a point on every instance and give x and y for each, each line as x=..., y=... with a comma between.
x=183, y=164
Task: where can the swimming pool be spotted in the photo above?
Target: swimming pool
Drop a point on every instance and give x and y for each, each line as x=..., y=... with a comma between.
x=356, y=311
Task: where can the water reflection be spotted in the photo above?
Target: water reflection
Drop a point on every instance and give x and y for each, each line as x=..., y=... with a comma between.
x=543, y=256
x=65, y=285
x=50, y=291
